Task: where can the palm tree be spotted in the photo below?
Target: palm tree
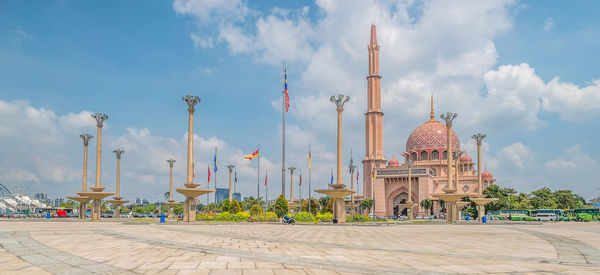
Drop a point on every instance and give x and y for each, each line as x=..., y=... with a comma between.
x=427, y=204
x=442, y=204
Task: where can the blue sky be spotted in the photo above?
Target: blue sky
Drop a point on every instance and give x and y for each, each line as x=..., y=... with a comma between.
x=522, y=72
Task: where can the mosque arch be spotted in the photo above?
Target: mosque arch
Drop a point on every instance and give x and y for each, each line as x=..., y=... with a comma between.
x=445, y=155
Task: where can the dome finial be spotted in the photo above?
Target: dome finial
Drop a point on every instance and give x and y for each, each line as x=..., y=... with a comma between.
x=432, y=116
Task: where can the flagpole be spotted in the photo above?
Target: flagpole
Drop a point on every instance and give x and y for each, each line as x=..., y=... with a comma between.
x=309, y=195
x=208, y=187
x=216, y=178
x=258, y=182
x=283, y=136
x=300, y=187
x=266, y=188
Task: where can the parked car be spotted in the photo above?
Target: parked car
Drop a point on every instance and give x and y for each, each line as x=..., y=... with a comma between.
x=546, y=217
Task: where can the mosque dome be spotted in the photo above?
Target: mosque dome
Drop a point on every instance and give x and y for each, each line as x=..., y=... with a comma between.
x=466, y=159
x=430, y=136
x=486, y=175
x=393, y=162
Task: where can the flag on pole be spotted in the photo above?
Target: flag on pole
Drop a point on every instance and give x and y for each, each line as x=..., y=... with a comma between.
x=373, y=173
x=215, y=160
x=357, y=172
x=208, y=173
x=266, y=179
x=300, y=179
x=252, y=156
x=309, y=159
x=287, y=96
x=235, y=176
x=331, y=176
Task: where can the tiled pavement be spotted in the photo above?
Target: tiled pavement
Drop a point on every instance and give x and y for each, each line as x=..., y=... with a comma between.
x=121, y=248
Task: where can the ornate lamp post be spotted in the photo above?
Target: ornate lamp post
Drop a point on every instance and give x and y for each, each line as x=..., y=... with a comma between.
x=171, y=203
x=338, y=191
x=450, y=196
x=191, y=191
x=292, y=169
x=83, y=199
x=97, y=195
x=117, y=202
x=480, y=199
x=231, y=166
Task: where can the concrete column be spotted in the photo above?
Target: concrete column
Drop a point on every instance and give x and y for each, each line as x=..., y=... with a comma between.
x=190, y=152
x=98, y=154
x=409, y=201
x=292, y=169
x=340, y=173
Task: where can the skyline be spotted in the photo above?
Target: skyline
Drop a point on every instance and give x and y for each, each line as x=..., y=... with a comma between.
x=504, y=67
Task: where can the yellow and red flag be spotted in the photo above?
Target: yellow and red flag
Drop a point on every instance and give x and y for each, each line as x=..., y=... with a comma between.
x=252, y=156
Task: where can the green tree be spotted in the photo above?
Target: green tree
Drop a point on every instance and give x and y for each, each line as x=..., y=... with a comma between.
x=71, y=204
x=139, y=209
x=178, y=209
x=565, y=199
x=543, y=198
x=150, y=208
x=234, y=207
x=427, y=204
x=366, y=204
x=324, y=200
x=281, y=206
x=164, y=209
x=226, y=204
x=494, y=191
x=314, y=206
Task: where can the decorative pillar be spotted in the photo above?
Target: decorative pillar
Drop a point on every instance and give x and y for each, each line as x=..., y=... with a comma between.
x=338, y=191
x=191, y=192
x=171, y=203
x=480, y=199
x=292, y=169
x=117, y=197
x=231, y=166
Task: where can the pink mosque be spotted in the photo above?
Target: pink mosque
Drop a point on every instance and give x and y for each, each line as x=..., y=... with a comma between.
x=426, y=145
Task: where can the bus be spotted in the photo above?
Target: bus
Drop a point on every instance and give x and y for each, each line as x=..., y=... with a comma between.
x=561, y=214
x=585, y=214
x=513, y=215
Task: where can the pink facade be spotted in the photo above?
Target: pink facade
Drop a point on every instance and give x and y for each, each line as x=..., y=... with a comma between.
x=426, y=145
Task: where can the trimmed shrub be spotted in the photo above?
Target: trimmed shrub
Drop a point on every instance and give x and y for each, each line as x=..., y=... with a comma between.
x=234, y=207
x=255, y=210
x=204, y=217
x=269, y=217
x=303, y=217
x=229, y=217
x=281, y=206
x=357, y=218
x=325, y=217
x=314, y=206
x=226, y=205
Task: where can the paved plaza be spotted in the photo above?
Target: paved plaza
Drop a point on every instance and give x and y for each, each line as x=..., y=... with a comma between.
x=73, y=247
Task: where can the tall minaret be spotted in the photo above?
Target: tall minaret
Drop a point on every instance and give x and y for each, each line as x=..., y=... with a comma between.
x=373, y=117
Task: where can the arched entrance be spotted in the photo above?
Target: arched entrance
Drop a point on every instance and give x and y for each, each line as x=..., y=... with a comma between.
x=399, y=199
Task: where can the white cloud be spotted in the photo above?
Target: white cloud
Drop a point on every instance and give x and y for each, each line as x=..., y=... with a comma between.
x=548, y=24
x=574, y=159
x=199, y=42
x=19, y=175
x=517, y=155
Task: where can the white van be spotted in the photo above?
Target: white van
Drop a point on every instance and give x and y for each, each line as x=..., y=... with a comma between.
x=546, y=217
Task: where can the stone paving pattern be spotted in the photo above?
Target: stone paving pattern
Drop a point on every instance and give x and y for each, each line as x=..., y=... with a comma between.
x=70, y=247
